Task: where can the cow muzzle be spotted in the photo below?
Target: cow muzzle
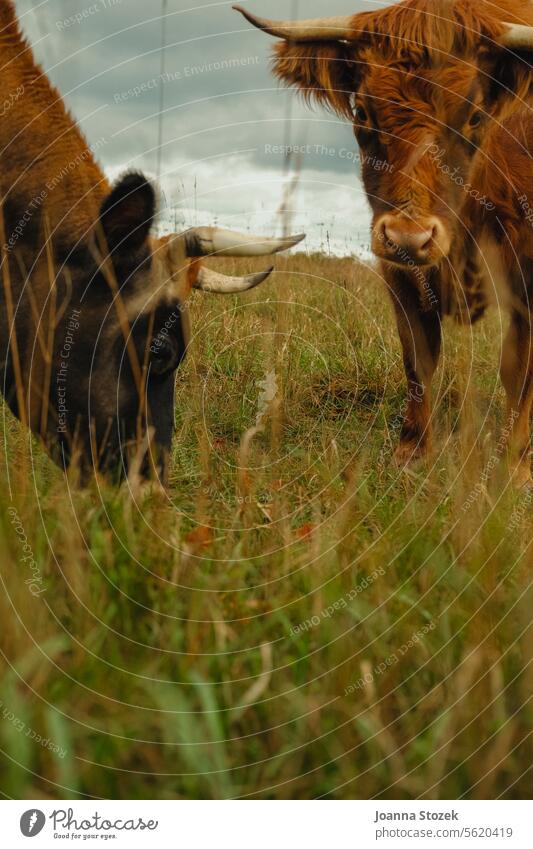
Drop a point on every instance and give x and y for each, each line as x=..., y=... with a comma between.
x=403, y=241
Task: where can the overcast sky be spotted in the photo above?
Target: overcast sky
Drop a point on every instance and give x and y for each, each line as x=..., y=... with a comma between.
x=224, y=113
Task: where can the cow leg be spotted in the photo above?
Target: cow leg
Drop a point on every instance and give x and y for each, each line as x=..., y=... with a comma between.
x=420, y=334
x=517, y=377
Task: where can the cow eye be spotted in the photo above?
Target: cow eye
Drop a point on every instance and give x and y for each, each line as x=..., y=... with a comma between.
x=164, y=356
x=476, y=119
x=361, y=115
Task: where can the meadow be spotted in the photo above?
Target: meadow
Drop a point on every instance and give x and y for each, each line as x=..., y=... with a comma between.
x=296, y=618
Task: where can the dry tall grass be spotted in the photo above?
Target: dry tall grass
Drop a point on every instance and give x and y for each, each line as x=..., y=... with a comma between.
x=297, y=619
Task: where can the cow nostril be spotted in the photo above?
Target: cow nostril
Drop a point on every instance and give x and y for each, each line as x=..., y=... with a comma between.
x=425, y=248
x=433, y=237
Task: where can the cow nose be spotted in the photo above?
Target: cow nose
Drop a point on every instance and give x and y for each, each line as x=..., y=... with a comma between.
x=403, y=239
x=415, y=240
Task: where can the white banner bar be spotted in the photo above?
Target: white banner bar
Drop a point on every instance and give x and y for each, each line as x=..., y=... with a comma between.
x=267, y=825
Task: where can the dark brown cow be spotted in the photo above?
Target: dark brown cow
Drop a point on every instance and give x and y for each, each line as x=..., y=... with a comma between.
x=439, y=91
x=93, y=310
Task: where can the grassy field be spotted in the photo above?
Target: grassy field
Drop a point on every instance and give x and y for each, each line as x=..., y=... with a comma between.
x=298, y=618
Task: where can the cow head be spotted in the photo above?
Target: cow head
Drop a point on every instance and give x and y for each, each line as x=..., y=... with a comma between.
x=420, y=80
x=116, y=323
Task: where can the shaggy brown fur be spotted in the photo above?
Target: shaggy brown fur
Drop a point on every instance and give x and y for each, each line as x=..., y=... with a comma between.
x=41, y=146
x=415, y=32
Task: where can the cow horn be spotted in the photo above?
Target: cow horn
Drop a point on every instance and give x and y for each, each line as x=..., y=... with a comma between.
x=517, y=37
x=206, y=241
x=318, y=29
x=218, y=284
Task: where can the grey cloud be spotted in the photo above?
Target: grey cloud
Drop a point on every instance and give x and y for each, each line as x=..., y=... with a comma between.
x=219, y=96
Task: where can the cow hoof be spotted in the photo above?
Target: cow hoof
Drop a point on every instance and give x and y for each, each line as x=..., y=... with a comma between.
x=409, y=453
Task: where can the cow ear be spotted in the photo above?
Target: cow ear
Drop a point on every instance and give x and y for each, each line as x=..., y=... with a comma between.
x=326, y=73
x=127, y=214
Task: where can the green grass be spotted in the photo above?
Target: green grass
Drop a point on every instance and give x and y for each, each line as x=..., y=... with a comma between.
x=215, y=643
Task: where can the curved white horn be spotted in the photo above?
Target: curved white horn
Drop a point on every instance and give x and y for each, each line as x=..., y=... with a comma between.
x=218, y=284
x=317, y=29
x=517, y=37
x=206, y=241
